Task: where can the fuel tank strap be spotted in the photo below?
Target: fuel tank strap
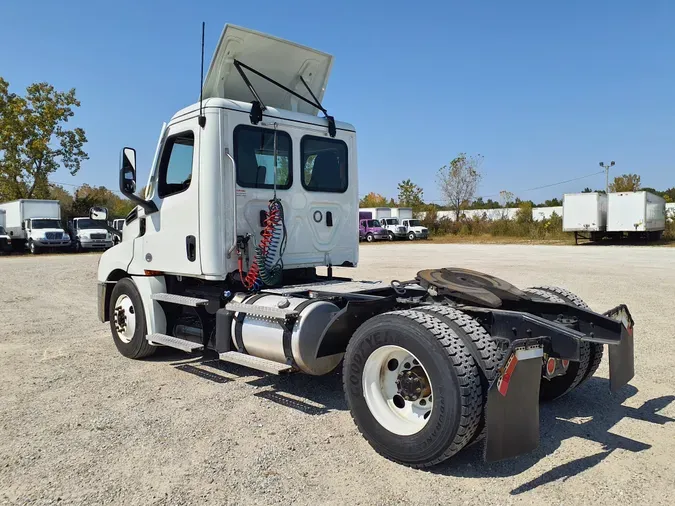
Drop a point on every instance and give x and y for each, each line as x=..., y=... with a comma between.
x=288, y=327
x=238, y=334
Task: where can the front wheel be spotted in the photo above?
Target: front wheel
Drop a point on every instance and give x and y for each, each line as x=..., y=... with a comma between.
x=411, y=236
x=32, y=248
x=370, y=237
x=391, y=236
x=127, y=321
x=412, y=387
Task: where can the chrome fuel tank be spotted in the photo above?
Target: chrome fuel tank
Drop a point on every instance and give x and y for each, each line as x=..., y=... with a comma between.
x=264, y=337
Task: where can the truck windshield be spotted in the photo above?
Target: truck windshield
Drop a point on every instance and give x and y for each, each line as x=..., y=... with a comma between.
x=392, y=221
x=45, y=224
x=87, y=223
x=374, y=223
x=414, y=223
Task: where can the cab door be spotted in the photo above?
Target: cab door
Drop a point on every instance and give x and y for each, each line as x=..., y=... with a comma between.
x=170, y=243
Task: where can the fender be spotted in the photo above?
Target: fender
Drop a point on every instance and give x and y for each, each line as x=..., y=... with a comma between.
x=154, y=314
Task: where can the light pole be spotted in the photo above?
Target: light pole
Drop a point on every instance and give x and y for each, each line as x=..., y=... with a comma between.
x=606, y=167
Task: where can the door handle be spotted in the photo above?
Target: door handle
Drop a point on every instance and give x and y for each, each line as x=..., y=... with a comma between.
x=191, y=248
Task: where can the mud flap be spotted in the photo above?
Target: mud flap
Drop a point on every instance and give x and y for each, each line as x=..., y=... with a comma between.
x=621, y=355
x=512, y=411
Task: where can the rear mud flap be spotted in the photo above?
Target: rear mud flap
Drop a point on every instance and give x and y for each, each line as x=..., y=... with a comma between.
x=621, y=355
x=512, y=411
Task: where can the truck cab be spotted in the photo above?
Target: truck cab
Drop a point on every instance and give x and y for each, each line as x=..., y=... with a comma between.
x=371, y=230
x=394, y=227
x=44, y=233
x=415, y=230
x=5, y=241
x=88, y=234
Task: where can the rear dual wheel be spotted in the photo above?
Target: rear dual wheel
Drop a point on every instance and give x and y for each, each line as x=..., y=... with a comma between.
x=590, y=354
x=413, y=388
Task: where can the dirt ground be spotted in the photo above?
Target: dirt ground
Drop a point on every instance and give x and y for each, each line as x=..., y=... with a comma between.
x=80, y=424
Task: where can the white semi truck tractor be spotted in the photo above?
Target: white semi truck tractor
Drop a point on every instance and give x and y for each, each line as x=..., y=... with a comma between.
x=252, y=191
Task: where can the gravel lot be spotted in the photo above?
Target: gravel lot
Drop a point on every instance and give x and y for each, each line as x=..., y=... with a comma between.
x=80, y=424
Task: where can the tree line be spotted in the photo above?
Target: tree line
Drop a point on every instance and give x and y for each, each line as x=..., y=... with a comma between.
x=458, y=184
x=35, y=142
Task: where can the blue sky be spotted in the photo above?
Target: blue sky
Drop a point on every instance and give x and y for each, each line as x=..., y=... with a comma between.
x=544, y=90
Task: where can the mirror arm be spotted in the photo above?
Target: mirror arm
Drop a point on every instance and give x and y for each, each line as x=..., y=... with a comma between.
x=113, y=231
x=148, y=205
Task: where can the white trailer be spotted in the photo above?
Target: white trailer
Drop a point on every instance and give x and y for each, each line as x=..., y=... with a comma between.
x=35, y=224
x=377, y=212
x=402, y=213
x=585, y=214
x=220, y=258
x=636, y=214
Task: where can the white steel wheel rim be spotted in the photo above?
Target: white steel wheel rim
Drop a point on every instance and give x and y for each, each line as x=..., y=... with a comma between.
x=125, y=318
x=383, y=395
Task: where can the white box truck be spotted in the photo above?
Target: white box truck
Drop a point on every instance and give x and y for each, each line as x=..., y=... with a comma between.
x=585, y=214
x=636, y=214
x=35, y=224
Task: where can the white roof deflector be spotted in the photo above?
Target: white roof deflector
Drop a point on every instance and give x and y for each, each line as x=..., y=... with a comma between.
x=278, y=59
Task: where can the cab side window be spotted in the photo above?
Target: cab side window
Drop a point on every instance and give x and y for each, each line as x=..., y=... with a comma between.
x=175, y=167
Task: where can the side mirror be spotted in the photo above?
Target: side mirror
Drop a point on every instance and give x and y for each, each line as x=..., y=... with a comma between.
x=98, y=214
x=128, y=171
x=23, y=225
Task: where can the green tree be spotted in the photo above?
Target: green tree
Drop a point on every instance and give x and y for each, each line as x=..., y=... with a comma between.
x=376, y=200
x=34, y=140
x=459, y=180
x=410, y=195
x=625, y=183
x=58, y=192
x=87, y=197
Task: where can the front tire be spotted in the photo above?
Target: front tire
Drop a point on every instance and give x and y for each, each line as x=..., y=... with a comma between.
x=413, y=389
x=32, y=248
x=127, y=321
x=391, y=236
x=411, y=236
x=370, y=237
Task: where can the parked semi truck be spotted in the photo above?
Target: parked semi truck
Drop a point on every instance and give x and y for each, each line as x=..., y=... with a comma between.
x=35, y=225
x=219, y=261
x=89, y=234
x=636, y=215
